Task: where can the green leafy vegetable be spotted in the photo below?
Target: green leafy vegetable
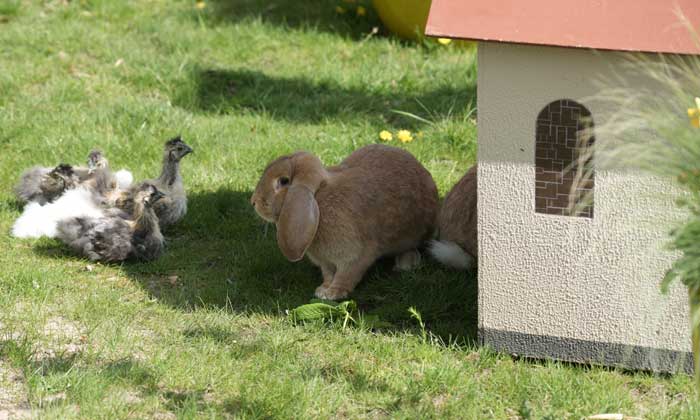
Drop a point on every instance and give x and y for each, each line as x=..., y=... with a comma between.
x=346, y=311
x=312, y=311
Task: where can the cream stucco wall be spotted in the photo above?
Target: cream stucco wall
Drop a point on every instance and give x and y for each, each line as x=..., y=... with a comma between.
x=589, y=279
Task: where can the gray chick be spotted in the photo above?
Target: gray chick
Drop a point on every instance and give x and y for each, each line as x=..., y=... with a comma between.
x=44, y=185
x=96, y=161
x=116, y=236
x=29, y=186
x=99, y=178
x=173, y=206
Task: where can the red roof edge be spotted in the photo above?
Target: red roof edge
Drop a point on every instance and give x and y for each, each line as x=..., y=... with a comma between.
x=622, y=25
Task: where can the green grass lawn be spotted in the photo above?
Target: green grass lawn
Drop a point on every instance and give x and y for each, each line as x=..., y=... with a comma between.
x=203, y=331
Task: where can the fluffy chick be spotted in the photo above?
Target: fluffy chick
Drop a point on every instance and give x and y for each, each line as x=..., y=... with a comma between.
x=44, y=185
x=28, y=188
x=105, y=184
x=42, y=220
x=95, y=161
x=57, y=181
x=99, y=178
x=115, y=236
x=173, y=206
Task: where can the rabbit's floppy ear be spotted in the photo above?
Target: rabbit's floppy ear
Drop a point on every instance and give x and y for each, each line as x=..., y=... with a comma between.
x=299, y=216
x=297, y=223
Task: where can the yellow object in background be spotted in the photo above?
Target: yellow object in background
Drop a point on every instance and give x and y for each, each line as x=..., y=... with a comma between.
x=407, y=19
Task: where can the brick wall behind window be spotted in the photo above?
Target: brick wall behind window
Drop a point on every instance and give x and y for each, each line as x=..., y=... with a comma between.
x=563, y=142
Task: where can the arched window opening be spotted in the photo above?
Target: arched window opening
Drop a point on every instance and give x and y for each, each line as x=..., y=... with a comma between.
x=564, y=173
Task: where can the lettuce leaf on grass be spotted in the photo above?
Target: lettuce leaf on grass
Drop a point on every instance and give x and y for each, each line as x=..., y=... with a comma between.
x=346, y=311
x=315, y=310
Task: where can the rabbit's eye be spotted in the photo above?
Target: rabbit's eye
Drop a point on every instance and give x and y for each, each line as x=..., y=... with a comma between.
x=284, y=181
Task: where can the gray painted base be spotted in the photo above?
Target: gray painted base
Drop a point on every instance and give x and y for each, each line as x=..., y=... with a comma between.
x=582, y=351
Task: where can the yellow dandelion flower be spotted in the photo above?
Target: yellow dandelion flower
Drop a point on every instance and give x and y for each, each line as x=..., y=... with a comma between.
x=694, y=114
x=361, y=11
x=404, y=136
x=444, y=41
x=339, y=10
x=385, y=136
x=200, y=5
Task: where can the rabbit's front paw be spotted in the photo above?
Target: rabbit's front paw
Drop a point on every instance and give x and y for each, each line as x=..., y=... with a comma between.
x=320, y=290
x=331, y=293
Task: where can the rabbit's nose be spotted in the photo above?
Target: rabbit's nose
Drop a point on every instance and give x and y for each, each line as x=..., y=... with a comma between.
x=253, y=201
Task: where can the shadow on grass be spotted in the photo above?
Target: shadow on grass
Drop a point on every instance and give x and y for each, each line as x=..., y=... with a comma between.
x=53, y=248
x=315, y=15
x=302, y=100
x=222, y=255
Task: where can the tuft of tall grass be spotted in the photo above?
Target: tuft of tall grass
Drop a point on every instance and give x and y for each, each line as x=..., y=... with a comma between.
x=650, y=129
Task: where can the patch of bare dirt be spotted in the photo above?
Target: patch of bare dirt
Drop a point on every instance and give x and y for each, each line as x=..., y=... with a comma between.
x=164, y=415
x=9, y=334
x=439, y=401
x=62, y=337
x=646, y=398
x=132, y=397
x=13, y=394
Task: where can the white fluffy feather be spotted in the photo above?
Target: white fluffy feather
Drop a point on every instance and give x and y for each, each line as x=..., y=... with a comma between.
x=451, y=254
x=37, y=220
x=124, y=179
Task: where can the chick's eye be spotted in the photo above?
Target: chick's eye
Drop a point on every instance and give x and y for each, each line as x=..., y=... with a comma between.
x=284, y=181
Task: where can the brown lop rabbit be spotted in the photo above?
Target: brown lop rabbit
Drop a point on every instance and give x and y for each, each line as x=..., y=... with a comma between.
x=457, y=244
x=380, y=201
